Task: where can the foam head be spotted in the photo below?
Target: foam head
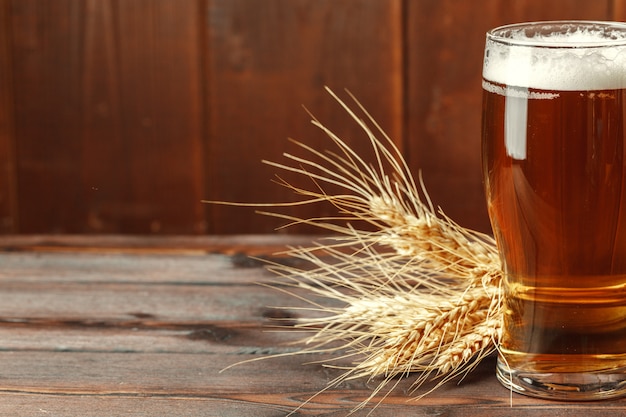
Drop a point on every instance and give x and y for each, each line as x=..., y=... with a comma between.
x=557, y=56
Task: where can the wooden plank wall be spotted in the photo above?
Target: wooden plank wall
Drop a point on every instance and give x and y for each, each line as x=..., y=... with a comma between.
x=120, y=116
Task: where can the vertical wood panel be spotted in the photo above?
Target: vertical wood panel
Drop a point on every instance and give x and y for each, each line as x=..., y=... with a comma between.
x=120, y=116
x=47, y=106
x=445, y=46
x=108, y=115
x=144, y=120
x=8, y=193
x=618, y=8
x=265, y=63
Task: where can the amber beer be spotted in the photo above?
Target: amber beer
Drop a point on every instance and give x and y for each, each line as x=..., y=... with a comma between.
x=554, y=160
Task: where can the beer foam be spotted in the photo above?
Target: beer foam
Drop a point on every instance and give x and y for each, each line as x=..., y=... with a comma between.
x=577, y=60
x=518, y=92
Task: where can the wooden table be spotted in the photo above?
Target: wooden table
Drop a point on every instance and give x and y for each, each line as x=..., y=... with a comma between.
x=131, y=326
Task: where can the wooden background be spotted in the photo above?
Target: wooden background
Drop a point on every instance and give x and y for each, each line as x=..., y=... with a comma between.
x=120, y=116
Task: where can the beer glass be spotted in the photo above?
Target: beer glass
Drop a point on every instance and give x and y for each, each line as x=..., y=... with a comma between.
x=554, y=165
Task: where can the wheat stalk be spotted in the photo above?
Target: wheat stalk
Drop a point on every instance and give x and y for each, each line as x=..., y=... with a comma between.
x=420, y=295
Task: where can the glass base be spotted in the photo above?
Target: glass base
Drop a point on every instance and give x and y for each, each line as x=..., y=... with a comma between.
x=568, y=386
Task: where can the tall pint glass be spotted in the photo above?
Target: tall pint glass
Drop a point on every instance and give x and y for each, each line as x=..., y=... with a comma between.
x=554, y=164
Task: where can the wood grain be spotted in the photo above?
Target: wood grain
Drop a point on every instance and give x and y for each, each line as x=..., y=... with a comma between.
x=107, y=114
x=121, y=116
x=88, y=333
x=9, y=209
x=265, y=64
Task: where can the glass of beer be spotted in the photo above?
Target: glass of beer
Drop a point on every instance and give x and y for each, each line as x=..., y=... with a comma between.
x=554, y=165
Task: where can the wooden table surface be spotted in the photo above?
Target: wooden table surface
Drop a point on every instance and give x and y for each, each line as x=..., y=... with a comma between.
x=134, y=326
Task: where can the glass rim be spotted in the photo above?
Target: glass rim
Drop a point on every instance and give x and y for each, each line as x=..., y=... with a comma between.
x=498, y=34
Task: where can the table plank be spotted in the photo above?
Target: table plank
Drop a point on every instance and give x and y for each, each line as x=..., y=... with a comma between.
x=280, y=385
x=206, y=339
x=137, y=305
x=95, y=406
x=131, y=268
x=19, y=404
x=145, y=329
x=261, y=244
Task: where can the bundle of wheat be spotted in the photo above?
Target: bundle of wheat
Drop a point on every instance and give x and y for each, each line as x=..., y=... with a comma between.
x=420, y=295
